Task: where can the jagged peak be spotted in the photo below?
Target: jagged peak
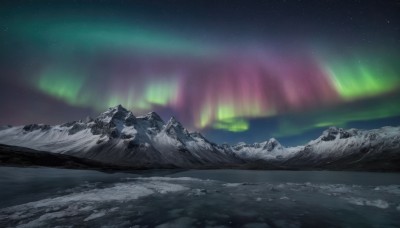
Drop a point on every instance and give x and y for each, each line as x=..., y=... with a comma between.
x=116, y=112
x=118, y=108
x=173, y=122
x=271, y=144
x=333, y=133
x=273, y=139
x=112, y=110
x=153, y=116
x=174, y=127
x=172, y=119
x=269, y=141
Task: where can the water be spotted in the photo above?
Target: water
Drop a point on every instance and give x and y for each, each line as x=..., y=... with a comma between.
x=45, y=197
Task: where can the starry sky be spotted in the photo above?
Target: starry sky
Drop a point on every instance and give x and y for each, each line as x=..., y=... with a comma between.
x=233, y=70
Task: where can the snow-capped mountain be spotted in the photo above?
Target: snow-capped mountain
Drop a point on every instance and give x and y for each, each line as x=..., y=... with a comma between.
x=118, y=137
x=268, y=150
x=353, y=148
x=336, y=148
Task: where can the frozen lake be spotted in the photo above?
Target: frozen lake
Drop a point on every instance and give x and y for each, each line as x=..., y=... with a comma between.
x=45, y=197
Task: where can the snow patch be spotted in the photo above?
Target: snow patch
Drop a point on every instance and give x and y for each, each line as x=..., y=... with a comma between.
x=394, y=189
x=232, y=184
x=364, y=202
x=95, y=216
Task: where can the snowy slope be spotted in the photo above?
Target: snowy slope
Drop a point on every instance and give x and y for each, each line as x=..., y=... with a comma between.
x=333, y=144
x=117, y=136
x=268, y=150
x=339, y=148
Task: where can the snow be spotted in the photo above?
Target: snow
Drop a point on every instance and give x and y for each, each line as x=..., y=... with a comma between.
x=159, y=142
x=393, y=189
x=129, y=130
x=232, y=184
x=365, y=202
x=380, y=139
x=95, y=216
x=265, y=150
x=56, y=139
x=149, y=140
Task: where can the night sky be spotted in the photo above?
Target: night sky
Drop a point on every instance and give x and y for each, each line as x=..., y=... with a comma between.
x=233, y=70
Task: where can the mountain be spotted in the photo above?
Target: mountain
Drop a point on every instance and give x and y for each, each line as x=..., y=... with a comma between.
x=117, y=137
x=268, y=150
x=335, y=149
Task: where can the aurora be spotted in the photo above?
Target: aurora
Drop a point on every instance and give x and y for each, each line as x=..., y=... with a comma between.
x=212, y=81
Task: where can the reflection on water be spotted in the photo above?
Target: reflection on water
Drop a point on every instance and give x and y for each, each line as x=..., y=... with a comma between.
x=37, y=197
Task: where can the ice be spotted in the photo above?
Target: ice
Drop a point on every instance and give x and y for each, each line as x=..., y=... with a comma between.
x=95, y=216
x=377, y=203
x=337, y=188
x=198, y=192
x=191, y=199
x=49, y=216
x=232, y=184
x=86, y=201
x=394, y=189
x=356, y=201
x=167, y=178
x=119, y=192
x=365, y=202
x=163, y=187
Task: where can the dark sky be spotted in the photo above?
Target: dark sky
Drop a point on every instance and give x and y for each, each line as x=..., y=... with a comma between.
x=234, y=70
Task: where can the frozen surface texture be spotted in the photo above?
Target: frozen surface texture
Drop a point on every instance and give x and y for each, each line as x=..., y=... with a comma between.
x=211, y=199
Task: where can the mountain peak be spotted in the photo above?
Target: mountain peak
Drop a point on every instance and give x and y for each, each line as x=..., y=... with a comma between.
x=271, y=144
x=333, y=133
x=173, y=119
x=153, y=116
x=174, y=127
x=173, y=122
x=118, y=108
x=117, y=112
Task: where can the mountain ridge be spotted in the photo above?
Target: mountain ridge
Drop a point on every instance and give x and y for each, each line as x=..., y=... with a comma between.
x=118, y=137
